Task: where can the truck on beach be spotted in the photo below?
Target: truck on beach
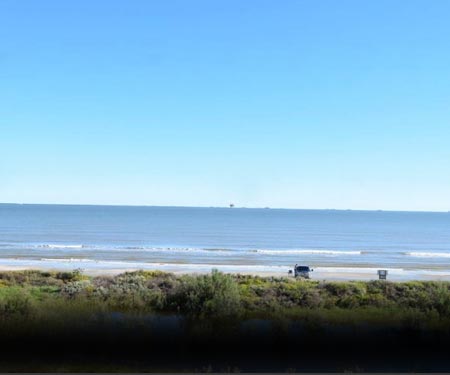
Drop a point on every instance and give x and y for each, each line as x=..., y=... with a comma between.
x=301, y=271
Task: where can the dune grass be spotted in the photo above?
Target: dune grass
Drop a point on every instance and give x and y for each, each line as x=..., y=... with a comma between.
x=35, y=294
x=154, y=321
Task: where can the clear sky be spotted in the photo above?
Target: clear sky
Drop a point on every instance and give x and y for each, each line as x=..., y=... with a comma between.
x=302, y=104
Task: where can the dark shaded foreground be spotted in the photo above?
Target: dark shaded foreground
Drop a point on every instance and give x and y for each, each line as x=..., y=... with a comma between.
x=221, y=346
x=159, y=322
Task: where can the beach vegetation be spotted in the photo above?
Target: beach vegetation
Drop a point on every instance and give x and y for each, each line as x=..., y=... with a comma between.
x=211, y=295
x=218, y=295
x=200, y=312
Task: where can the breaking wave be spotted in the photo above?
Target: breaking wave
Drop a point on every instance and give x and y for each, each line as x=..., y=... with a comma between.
x=69, y=260
x=308, y=251
x=174, y=249
x=59, y=246
x=73, y=247
x=193, y=250
x=126, y=248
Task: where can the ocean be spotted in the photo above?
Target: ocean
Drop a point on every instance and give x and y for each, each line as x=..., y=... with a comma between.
x=189, y=239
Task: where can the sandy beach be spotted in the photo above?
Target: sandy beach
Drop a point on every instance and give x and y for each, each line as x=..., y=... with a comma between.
x=319, y=273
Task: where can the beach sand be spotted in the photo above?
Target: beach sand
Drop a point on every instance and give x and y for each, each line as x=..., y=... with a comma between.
x=319, y=273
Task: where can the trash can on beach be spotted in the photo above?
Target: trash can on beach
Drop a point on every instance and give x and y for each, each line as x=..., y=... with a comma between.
x=382, y=274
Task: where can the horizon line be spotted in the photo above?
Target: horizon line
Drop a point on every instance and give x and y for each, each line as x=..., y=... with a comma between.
x=226, y=206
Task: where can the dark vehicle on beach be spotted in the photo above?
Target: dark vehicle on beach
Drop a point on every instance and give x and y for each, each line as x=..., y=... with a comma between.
x=302, y=271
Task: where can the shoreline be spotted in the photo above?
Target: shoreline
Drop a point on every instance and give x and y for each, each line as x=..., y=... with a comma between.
x=101, y=268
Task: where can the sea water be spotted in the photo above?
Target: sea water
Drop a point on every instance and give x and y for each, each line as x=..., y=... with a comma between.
x=231, y=239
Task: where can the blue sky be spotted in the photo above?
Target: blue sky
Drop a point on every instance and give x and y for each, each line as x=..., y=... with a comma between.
x=302, y=104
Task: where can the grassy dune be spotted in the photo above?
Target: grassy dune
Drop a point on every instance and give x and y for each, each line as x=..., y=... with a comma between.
x=28, y=293
x=154, y=321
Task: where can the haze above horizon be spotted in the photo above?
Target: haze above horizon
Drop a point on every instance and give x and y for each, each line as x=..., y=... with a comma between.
x=214, y=207
x=311, y=104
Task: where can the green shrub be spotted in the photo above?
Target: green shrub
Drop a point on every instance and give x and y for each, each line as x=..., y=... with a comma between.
x=15, y=303
x=75, y=288
x=29, y=277
x=75, y=275
x=132, y=291
x=215, y=294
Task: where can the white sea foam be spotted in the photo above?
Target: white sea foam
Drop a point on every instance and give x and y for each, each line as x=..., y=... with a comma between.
x=424, y=254
x=149, y=249
x=60, y=246
x=179, y=251
x=199, y=250
x=308, y=251
x=69, y=260
x=173, y=249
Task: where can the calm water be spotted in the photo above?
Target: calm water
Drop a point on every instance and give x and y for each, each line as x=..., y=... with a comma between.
x=200, y=237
